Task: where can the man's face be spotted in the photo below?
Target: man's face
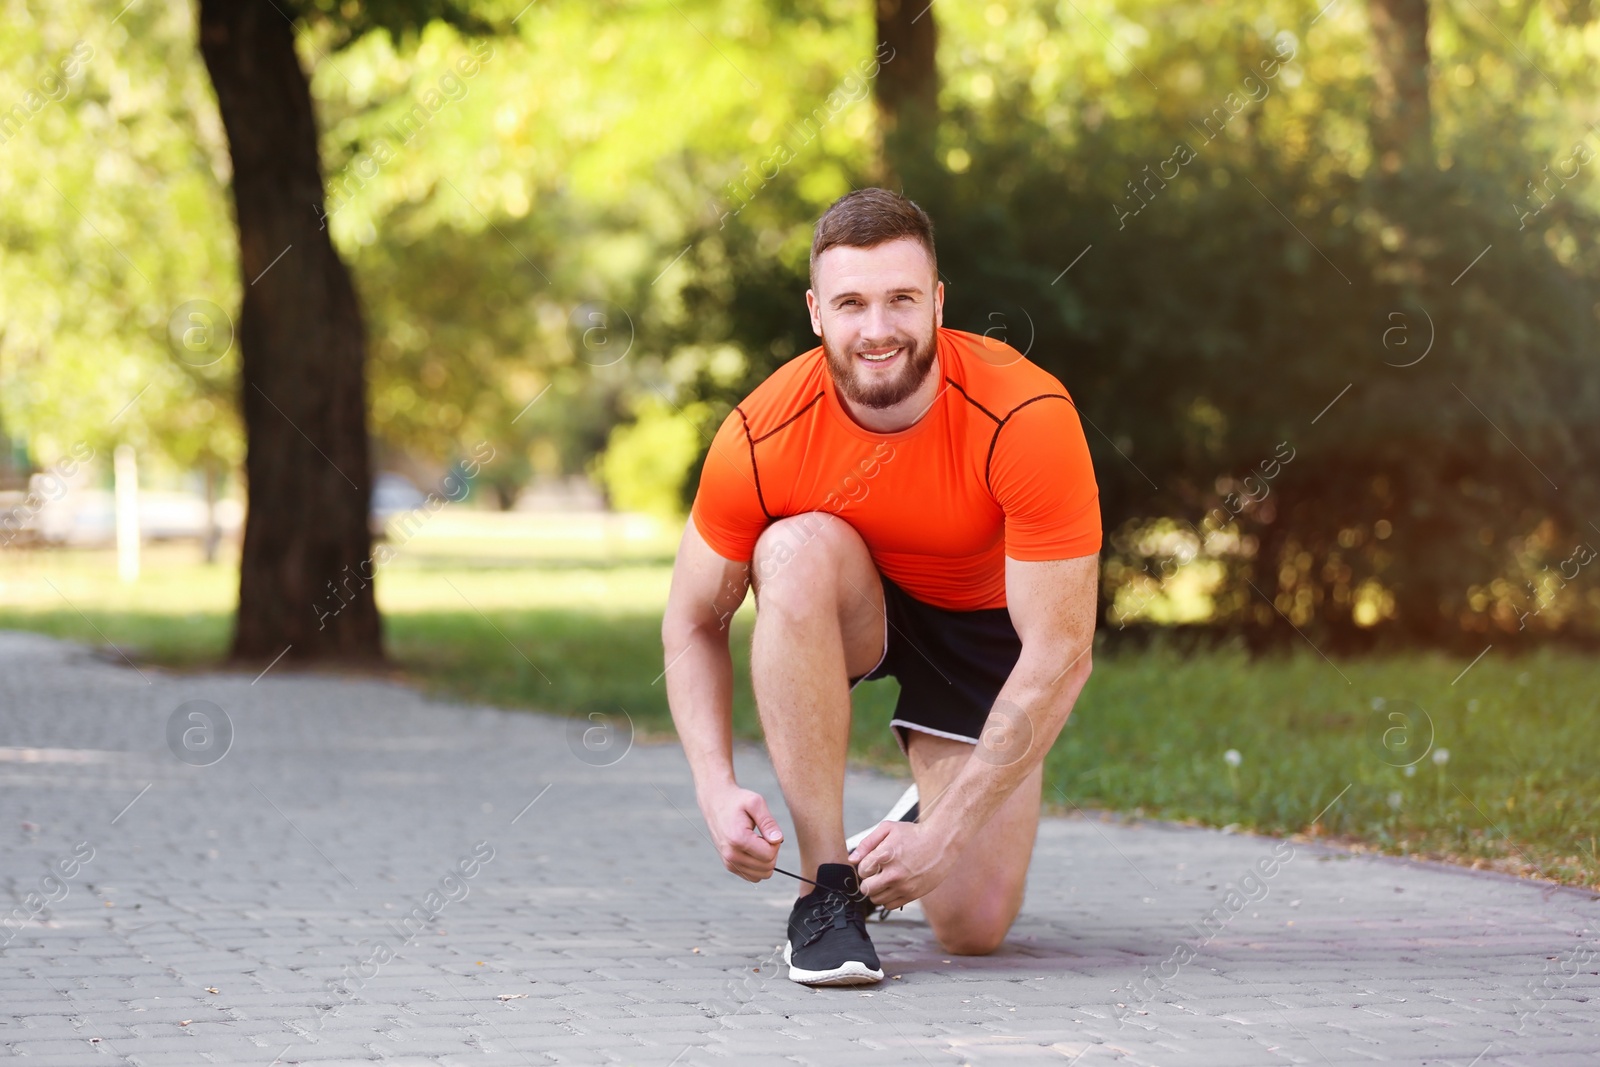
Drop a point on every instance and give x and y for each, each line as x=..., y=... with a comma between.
x=876, y=310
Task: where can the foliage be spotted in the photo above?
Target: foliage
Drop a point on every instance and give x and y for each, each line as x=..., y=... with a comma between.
x=647, y=461
x=112, y=217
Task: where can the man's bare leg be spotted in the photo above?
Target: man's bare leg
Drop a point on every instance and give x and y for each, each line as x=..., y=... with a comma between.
x=819, y=622
x=971, y=911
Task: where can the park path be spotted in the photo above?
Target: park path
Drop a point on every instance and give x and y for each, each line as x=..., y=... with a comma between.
x=201, y=912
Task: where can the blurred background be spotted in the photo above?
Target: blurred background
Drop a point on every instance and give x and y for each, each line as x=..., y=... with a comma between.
x=391, y=334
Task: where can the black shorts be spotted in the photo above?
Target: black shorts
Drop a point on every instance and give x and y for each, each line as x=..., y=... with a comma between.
x=950, y=664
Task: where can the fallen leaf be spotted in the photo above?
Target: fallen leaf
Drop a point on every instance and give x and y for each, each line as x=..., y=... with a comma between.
x=212, y=989
x=512, y=996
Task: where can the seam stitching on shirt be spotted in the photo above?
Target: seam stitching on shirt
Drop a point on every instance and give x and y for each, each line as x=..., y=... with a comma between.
x=989, y=461
x=787, y=421
x=754, y=471
x=975, y=404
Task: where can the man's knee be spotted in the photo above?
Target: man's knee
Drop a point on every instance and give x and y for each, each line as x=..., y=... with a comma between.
x=973, y=935
x=795, y=554
x=977, y=927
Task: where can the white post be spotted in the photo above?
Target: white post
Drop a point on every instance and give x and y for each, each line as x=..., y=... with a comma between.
x=126, y=476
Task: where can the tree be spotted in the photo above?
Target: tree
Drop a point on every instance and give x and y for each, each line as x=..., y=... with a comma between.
x=302, y=343
x=1402, y=119
x=907, y=89
x=302, y=339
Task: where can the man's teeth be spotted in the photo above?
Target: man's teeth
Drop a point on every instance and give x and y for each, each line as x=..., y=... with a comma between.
x=878, y=359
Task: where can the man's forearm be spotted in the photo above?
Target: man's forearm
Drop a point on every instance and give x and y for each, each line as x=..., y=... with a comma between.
x=1033, y=705
x=699, y=680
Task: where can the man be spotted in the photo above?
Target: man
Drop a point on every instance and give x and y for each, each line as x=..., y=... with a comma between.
x=905, y=500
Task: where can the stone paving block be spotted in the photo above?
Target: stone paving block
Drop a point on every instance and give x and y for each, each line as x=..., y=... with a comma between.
x=54, y=1046
x=323, y=1051
x=39, y=1027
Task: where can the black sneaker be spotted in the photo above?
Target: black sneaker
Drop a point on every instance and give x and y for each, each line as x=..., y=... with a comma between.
x=828, y=942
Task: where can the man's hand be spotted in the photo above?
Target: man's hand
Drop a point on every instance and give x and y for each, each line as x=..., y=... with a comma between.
x=744, y=831
x=899, y=862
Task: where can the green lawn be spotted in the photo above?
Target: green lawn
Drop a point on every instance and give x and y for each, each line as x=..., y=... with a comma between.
x=1517, y=791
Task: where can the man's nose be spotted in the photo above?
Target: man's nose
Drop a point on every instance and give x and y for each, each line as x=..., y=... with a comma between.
x=877, y=327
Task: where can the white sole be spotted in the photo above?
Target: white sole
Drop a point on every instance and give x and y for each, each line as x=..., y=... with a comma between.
x=901, y=806
x=852, y=972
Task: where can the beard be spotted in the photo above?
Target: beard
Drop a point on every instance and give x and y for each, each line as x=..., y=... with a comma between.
x=915, y=363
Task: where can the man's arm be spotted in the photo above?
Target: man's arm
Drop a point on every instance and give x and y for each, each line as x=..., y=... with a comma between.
x=1052, y=606
x=706, y=590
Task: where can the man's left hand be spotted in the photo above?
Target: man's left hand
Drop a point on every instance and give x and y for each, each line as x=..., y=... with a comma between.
x=899, y=862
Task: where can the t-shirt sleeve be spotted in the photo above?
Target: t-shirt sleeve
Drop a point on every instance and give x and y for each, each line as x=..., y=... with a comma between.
x=727, y=507
x=1044, y=482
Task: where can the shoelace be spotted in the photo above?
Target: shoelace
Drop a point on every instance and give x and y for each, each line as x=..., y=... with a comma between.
x=827, y=913
x=854, y=903
x=855, y=896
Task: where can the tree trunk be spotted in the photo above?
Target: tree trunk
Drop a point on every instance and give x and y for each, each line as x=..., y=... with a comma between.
x=212, y=475
x=1402, y=120
x=304, y=572
x=907, y=88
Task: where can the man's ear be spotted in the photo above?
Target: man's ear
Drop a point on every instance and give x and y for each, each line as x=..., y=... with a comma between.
x=816, y=312
x=938, y=304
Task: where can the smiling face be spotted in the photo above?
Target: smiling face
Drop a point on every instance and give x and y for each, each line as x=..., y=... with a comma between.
x=876, y=310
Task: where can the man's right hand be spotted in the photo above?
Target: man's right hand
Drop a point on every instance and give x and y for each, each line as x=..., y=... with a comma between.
x=744, y=831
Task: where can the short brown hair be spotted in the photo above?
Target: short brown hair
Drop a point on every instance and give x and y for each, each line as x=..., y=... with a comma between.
x=870, y=217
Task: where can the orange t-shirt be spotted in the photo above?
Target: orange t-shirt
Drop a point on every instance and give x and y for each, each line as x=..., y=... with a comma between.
x=997, y=467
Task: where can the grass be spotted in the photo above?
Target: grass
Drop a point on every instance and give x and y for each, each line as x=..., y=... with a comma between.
x=1501, y=759
x=1495, y=770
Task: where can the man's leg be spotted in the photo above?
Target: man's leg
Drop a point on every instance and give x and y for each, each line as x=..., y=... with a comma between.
x=972, y=910
x=819, y=622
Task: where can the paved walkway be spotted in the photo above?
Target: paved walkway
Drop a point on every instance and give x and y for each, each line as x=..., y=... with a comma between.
x=361, y=878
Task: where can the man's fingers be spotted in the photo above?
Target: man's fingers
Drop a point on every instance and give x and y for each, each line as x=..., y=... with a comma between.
x=870, y=842
x=749, y=855
x=765, y=823
x=748, y=869
x=743, y=861
x=760, y=850
x=746, y=835
x=880, y=887
x=888, y=889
